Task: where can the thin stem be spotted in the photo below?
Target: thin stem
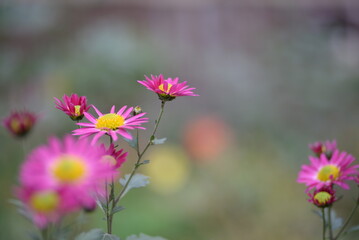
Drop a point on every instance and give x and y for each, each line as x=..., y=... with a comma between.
x=109, y=198
x=330, y=223
x=347, y=220
x=137, y=164
x=324, y=223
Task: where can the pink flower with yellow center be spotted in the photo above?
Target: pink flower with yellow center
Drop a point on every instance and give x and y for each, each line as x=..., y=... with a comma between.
x=72, y=166
x=74, y=106
x=327, y=147
x=46, y=206
x=324, y=173
x=323, y=197
x=167, y=89
x=20, y=123
x=113, y=157
x=112, y=123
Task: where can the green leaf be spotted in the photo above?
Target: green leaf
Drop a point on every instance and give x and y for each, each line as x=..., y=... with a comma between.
x=102, y=205
x=144, y=237
x=94, y=234
x=117, y=209
x=337, y=222
x=353, y=229
x=158, y=141
x=137, y=181
x=132, y=142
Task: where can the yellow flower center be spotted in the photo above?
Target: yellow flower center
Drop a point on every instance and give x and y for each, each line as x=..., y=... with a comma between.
x=69, y=169
x=326, y=172
x=110, y=121
x=15, y=125
x=44, y=202
x=108, y=159
x=77, y=110
x=161, y=87
x=322, y=197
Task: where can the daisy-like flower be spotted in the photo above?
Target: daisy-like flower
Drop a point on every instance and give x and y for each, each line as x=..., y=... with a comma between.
x=327, y=147
x=20, y=123
x=44, y=206
x=113, y=157
x=112, y=123
x=323, y=197
x=72, y=166
x=323, y=172
x=167, y=89
x=74, y=106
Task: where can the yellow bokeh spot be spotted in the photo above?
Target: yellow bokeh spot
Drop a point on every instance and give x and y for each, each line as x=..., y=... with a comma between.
x=168, y=169
x=322, y=197
x=77, y=110
x=45, y=201
x=69, y=169
x=161, y=87
x=110, y=121
x=328, y=171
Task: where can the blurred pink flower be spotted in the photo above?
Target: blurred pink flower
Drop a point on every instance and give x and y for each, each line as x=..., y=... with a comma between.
x=44, y=206
x=327, y=147
x=111, y=124
x=74, y=106
x=323, y=197
x=113, y=157
x=167, y=89
x=323, y=172
x=70, y=165
x=20, y=123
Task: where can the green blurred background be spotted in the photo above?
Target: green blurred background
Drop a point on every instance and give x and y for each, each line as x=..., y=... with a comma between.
x=272, y=77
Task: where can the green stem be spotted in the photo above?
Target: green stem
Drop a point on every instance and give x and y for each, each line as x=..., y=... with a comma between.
x=347, y=220
x=110, y=197
x=330, y=223
x=140, y=155
x=324, y=223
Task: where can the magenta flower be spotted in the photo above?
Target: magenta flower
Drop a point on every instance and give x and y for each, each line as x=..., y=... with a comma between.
x=20, y=123
x=327, y=147
x=112, y=123
x=324, y=173
x=46, y=206
x=113, y=157
x=74, y=106
x=323, y=197
x=167, y=89
x=70, y=166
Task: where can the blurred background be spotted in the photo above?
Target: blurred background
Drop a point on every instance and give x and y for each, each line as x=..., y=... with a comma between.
x=272, y=75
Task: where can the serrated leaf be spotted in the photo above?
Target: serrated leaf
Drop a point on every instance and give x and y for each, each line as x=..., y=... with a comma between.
x=159, y=141
x=132, y=142
x=117, y=209
x=137, y=181
x=94, y=234
x=144, y=237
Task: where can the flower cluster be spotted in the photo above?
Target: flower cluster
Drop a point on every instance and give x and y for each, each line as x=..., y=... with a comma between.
x=63, y=176
x=70, y=174
x=330, y=167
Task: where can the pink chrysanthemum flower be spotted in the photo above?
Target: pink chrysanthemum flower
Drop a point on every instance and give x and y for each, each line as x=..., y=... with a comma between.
x=44, y=206
x=323, y=197
x=113, y=157
x=71, y=165
x=167, y=89
x=112, y=123
x=74, y=106
x=324, y=173
x=327, y=147
x=20, y=123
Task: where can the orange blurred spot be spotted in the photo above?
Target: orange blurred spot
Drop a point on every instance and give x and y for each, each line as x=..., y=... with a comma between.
x=206, y=137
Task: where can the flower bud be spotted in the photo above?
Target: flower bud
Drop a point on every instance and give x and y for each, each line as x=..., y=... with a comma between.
x=137, y=110
x=323, y=197
x=20, y=123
